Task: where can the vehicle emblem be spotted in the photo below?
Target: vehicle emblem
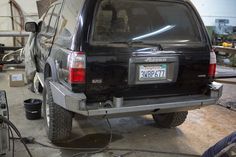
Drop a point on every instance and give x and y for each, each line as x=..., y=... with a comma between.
x=154, y=49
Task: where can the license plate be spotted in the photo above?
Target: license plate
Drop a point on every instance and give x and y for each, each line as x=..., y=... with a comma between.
x=152, y=72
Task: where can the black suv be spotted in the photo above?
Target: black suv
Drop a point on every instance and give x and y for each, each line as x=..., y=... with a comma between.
x=111, y=58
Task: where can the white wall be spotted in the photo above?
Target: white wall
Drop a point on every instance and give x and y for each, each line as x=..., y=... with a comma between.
x=216, y=9
x=29, y=8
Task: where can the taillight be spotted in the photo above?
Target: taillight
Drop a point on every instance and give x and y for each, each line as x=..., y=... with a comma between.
x=77, y=67
x=212, y=65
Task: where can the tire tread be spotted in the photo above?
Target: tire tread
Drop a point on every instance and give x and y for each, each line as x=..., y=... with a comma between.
x=60, y=119
x=170, y=120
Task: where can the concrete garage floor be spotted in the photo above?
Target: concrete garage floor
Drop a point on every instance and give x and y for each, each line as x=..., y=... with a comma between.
x=202, y=129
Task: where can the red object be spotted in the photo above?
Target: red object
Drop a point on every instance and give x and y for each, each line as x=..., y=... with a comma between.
x=212, y=65
x=77, y=67
x=76, y=75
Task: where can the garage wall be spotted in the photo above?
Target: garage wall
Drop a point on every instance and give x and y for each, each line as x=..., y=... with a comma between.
x=28, y=7
x=216, y=9
x=209, y=10
x=5, y=22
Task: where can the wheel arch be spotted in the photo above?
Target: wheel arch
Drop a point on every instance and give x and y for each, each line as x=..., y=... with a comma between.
x=50, y=70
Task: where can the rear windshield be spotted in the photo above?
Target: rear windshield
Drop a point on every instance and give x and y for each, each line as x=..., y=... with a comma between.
x=149, y=21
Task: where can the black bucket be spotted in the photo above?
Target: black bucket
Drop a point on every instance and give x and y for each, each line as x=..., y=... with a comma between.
x=33, y=109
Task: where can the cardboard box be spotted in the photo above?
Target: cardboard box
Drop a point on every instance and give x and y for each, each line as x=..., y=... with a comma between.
x=17, y=80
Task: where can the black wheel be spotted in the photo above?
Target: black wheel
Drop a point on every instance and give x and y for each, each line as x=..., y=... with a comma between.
x=170, y=120
x=57, y=120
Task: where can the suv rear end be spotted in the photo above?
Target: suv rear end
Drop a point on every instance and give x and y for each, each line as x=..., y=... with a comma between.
x=136, y=57
x=142, y=50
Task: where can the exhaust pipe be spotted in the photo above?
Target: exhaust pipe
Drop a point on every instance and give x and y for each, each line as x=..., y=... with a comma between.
x=118, y=101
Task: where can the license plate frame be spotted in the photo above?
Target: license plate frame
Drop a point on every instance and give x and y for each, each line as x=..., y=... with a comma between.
x=172, y=68
x=152, y=72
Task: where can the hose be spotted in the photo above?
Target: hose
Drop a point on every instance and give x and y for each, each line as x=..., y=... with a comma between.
x=9, y=123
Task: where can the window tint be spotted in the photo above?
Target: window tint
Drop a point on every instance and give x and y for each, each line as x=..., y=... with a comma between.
x=68, y=21
x=128, y=20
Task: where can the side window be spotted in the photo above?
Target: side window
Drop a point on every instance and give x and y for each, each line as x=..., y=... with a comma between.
x=67, y=22
x=46, y=20
x=54, y=19
x=50, y=20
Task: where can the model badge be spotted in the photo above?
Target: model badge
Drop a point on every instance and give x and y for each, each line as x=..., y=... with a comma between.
x=97, y=81
x=154, y=59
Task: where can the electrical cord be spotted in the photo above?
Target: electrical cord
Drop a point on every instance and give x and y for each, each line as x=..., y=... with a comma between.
x=31, y=140
x=10, y=132
x=90, y=151
x=101, y=149
x=13, y=142
x=84, y=151
x=9, y=123
x=116, y=149
x=8, y=117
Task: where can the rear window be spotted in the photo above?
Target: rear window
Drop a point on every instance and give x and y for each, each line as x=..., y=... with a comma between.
x=149, y=21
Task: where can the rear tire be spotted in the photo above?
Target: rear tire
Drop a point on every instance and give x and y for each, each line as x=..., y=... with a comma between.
x=57, y=120
x=170, y=120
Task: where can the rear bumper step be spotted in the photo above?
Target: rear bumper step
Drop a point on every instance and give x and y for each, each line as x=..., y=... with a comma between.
x=77, y=103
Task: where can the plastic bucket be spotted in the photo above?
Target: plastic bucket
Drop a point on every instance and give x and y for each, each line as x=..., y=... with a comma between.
x=33, y=108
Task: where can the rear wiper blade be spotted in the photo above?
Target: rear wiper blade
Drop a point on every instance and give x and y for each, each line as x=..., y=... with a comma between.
x=153, y=44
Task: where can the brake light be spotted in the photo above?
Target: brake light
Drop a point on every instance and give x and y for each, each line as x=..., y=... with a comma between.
x=212, y=65
x=77, y=67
